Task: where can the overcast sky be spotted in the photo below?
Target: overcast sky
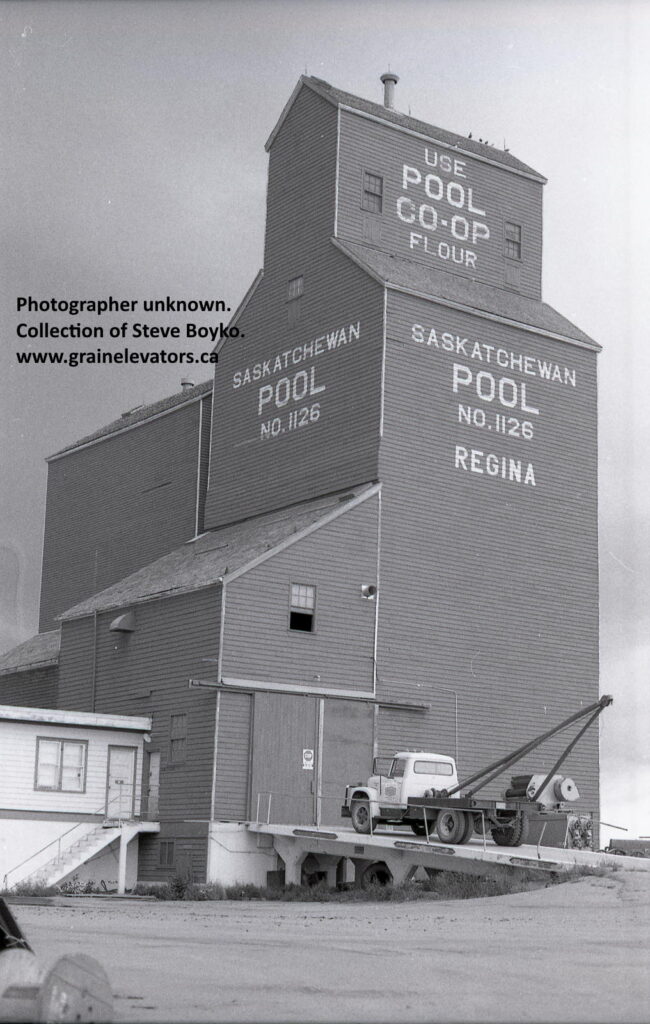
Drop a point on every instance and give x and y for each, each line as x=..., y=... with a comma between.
x=135, y=167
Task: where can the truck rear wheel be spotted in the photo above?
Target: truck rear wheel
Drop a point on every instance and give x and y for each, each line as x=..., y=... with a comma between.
x=512, y=835
x=360, y=815
x=453, y=826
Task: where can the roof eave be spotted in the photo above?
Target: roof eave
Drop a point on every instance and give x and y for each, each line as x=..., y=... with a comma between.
x=290, y=102
x=592, y=345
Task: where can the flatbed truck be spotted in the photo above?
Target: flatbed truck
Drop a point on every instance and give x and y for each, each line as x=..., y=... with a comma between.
x=421, y=790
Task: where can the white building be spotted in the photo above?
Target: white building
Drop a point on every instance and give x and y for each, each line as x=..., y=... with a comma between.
x=70, y=796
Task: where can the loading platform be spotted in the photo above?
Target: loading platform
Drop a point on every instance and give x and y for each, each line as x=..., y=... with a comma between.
x=403, y=853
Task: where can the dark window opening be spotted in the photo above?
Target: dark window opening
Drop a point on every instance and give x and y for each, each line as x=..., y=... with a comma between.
x=512, y=241
x=301, y=620
x=166, y=853
x=373, y=192
x=302, y=607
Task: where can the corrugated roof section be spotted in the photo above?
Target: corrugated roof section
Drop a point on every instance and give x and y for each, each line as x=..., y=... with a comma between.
x=140, y=414
x=201, y=563
x=416, y=277
x=39, y=651
x=460, y=142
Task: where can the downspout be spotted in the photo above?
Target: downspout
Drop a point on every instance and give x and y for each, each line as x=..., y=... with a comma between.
x=94, y=669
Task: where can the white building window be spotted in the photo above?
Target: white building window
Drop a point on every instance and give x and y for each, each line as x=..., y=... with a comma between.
x=61, y=765
x=302, y=608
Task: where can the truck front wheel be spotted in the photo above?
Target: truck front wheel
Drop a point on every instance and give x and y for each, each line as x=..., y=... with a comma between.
x=453, y=826
x=360, y=815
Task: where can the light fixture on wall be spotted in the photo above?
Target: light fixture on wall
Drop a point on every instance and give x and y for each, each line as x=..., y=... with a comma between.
x=123, y=623
x=368, y=591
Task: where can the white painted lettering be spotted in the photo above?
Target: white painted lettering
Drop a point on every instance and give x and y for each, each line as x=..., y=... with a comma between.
x=405, y=203
x=410, y=176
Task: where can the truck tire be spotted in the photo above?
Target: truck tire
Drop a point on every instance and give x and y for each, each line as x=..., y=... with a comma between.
x=360, y=815
x=469, y=828
x=452, y=825
x=513, y=835
x=420, y=828
x=376, y=873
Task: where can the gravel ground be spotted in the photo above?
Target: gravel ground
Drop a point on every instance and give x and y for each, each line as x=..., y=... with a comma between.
x=572, y=952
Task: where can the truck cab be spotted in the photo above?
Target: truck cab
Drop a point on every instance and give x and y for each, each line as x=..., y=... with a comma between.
x=384, y=798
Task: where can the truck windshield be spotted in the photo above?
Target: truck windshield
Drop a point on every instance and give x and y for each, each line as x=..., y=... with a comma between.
x=397, y=768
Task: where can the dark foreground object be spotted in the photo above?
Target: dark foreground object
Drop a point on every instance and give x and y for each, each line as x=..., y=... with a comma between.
x=76, y=988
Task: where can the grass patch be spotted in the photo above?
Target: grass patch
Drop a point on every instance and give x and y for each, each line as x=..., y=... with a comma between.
x=31, y=889
x=445, y=885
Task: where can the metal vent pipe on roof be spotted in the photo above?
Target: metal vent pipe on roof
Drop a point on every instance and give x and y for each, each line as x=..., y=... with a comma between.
x=390, y=80
x=186, y=384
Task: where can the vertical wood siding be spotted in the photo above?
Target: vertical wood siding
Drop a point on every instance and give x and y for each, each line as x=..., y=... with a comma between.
x=347, y=745
x=337, y=560
x=117, y=505
x=502, y=196
x=232, y=775
x=489, y=587
x=315, y=364
x=34, y=689
x=284, y=726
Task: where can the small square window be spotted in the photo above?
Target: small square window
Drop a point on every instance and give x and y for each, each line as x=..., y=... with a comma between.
x=178, y=739
x=166, y=849
x=512, y=241
x=295, y=288
x=373, y=192
x=302, y=608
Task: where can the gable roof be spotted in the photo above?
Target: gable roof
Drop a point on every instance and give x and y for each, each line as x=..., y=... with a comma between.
x=471, y=147
x=39, y=651
x=414, y=277
x=220, y=554
x=139, y=415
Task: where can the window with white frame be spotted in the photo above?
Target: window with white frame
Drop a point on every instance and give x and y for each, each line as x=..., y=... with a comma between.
x=61, y=765
x=302, y=607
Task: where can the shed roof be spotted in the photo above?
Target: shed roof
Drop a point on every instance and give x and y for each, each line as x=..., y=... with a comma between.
x=55, y=716
x=413, y=276
x=39, y=651
x=462, y=143
x=216, y=555
x=140, y=414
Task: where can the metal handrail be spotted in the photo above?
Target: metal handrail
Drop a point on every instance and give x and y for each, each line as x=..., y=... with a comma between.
x=52, y=842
